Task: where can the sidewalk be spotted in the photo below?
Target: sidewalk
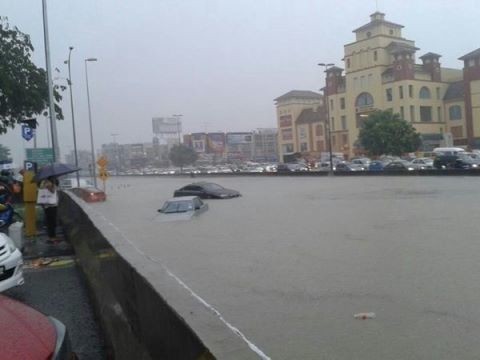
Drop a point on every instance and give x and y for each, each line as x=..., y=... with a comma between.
x=37, y=246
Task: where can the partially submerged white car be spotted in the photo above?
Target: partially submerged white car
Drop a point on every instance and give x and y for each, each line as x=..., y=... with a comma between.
x=11, y=264
x=182, y=208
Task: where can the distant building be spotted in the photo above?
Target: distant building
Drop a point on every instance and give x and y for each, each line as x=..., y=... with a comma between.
x=381, y=73
x=265, y=145
x=84, y=161
x=168, y=130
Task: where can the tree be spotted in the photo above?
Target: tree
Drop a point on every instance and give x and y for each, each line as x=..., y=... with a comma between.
x=4, y=153
x=181, y=155
x=23, y=85
x=386, y=133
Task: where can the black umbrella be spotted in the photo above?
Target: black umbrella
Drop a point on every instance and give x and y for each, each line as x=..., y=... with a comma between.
x=57, y=169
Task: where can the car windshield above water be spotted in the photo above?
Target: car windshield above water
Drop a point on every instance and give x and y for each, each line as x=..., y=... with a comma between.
x=179, y=206
x=212, y=187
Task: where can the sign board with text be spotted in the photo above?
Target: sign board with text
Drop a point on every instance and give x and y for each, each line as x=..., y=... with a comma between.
x=42, y=156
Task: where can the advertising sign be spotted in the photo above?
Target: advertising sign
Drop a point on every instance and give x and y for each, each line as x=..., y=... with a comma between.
x=199, y=142
x=239, y=138
x=216, y=143
x=166, y=126
x=286, y=121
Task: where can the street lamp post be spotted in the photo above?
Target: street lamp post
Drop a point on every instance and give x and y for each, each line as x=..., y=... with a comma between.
x=69, y=80
x=92, y=147
x=327, y=105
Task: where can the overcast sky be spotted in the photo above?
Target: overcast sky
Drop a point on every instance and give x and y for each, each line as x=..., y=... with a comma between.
x=220, y=63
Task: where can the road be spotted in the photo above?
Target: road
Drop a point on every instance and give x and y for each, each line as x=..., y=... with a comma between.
x=60, y=292
x=292, y=261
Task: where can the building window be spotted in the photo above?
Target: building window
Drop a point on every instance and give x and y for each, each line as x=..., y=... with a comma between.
x=332, y=124
x=457, y=131
x=424, y=93
x=344, y=122
x=348, y=63
x=471, y=63
x=303, y=133
x=389, y=94
x=391, y=32
x=412, y=113
x=369, y=34
x=364, y=100
x=400, y=92
x=439, y=114
x=303, y=147
x=287, y=148
x=455, y=112
x=342, y=103
x=425, y=113
x=410, y=91
x=331, y=104
x=287, y=134
x=334, y=140
x=402, y=113
x=438, y=93
x=344, y=139
x=320, y=146
x=319, y=130
x=375, y=55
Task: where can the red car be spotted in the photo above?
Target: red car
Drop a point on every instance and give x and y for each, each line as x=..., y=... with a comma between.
x=28, y=334
x=90, y=194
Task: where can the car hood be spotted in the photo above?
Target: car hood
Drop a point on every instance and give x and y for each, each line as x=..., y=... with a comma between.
x=184, y=216
x=26, y=333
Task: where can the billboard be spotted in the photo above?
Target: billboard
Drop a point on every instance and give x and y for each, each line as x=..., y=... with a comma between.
x=166, y=126
x=216, y=143
x=285, y=120
x=199, y=142
x=239, y=138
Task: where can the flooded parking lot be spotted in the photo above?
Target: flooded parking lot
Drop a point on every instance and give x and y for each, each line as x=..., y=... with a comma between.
x=291, y=261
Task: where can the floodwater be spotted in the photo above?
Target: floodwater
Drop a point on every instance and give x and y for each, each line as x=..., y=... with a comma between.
x=292, y=261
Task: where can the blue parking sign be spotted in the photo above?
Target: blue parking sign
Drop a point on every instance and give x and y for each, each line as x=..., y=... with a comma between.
x=27, y=132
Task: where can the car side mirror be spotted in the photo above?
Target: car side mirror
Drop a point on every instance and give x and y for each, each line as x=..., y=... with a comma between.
x=160, y=210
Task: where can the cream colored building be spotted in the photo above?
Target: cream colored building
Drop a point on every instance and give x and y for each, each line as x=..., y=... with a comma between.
x=381, y=72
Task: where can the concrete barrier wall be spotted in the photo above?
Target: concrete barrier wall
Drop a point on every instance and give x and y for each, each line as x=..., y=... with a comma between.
x=144, y=312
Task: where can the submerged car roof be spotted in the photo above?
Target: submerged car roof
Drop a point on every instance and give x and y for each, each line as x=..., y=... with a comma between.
x=181, y=198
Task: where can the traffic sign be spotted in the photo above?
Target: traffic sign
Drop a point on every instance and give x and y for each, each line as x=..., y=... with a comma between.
x=42, y=156
x=27, y=132
x=103, y=174
x=102, y=161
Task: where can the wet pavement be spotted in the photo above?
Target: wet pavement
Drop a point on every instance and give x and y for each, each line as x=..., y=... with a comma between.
x=294, y=259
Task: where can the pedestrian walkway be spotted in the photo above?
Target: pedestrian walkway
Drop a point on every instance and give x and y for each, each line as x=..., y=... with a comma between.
x=38, y=247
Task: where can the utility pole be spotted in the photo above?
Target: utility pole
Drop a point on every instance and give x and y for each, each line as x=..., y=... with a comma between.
x=327, y=105
x=69, y=80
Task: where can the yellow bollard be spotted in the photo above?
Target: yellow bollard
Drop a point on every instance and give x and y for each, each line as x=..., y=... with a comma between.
x=30, y=201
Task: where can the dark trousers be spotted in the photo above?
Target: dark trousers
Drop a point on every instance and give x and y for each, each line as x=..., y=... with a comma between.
x=51, y=220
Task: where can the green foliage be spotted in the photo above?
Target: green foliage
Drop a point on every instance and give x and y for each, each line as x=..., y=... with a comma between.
x=386, y=133
x=4, y=153
x=181, y=155
x=23, y=85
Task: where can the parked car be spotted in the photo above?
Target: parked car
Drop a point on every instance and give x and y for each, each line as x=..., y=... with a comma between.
x=206, y=190
x=182, y=208
x=11, y=265
x=90, y=194
x=458, y=161
x=422, y=163
x=70, y=183
x=28, y=334
x=398, y=165
x=377, y=165
x=365, y=162
x=291, y=167
x=344, y=166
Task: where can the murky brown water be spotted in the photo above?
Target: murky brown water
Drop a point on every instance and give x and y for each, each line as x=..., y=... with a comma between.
x=294, y=259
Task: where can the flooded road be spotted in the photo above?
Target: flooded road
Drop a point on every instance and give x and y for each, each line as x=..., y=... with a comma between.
x=291, y=261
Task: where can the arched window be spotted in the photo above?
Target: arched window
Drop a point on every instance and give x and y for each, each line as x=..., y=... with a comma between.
x=455, y=112
x=364, y=100
x=425, y=93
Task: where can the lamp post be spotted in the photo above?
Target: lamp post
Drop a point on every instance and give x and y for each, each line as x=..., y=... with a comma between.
x=177, y=117
x=92, y=147
x=327, y=105
x=53, y=123
x=69, y=81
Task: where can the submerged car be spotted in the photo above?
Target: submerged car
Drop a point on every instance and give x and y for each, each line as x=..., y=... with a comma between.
x=182, y=208
x=31, y=335
x=11, y=264
x=206, y=190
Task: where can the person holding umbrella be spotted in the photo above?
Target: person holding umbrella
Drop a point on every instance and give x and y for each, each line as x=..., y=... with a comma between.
x=48, y=196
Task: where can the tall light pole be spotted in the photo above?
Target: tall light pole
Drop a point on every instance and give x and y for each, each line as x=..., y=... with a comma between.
x=115, y=150
x=177, y=117
x=51, y=99
x=92, y=147
x=327, y=105
x=69, y=81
